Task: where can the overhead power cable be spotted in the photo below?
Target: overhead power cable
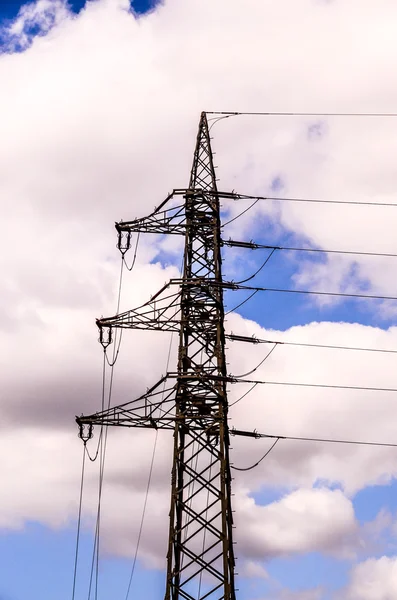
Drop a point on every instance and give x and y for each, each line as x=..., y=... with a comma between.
x=253, y=340
x=314, y=385
x=147, y=485
x=235, y=286
x=135, y=253
x=242, y=213
x=76, y=556
x=255, y=246
x=241, y=303
x=235, y=196
x=100, y=451
x=299, y=114
x=142, y=517
x=257, y=366
x=101, y=448
x=256, y=435
x=232, y=379
x=258, y=461
x=258, y=270
x=277, y=438
x=244, y=395
x=332, y=441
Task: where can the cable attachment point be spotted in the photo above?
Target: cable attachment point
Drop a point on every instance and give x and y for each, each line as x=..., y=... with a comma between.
x=85, y=432
x=124, y=241
x=105, y=336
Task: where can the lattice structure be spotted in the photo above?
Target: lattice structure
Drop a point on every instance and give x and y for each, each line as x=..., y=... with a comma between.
x=192, y=401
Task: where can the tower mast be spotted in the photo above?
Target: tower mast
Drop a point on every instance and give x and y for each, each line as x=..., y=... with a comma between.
x=200, y=558
x=200, y=537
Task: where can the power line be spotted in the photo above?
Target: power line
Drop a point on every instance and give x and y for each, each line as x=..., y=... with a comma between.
x=242, y=213
x=102, y=444
x=257, y=435
x=76, y=556
x=148, y=483
x=298, y=114
x=236, y=196
x=95, y=550
x=314, y=385
x=241, y=303
x=255, y=246
x=257, y=462
x=233, y=379
x=143, y=516
x=135, y=253
x=244, y=395
x=356, y=253
x=253, y=340
x=258, y=270
x=277, y=438
x=235, y=286
x=333, y=441
x=257, y=366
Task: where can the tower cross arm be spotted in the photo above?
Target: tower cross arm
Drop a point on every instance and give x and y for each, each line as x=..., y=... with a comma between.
x=167, y=218
x=155, y=409
x=160, y=313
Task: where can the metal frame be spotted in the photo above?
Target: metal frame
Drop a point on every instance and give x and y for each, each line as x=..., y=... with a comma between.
x=200, y=558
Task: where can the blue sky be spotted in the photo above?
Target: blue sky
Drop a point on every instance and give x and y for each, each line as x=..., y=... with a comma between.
x=99, y=121
x=10, y=8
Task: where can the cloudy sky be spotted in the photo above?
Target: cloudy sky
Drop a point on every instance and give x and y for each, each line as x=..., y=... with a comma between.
x=99, y=108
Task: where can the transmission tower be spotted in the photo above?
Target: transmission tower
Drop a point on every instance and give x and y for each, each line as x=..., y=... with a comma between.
x=193, y=400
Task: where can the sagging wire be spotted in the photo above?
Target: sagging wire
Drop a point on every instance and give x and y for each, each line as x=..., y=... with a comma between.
x=248, y=279
x=143, y=516
x=241, y=214
x=115, y=355
x=258, y=365
x=102, y=442
x=259, y=270
x=148, y=484
x=243, y=396
x=259, y=461
x=116, y=352
x=78, y=524
x=135, y=253
x=102, y=451
x=241, y=303
x=99, y=450
x=216, y=119
x=93, y=458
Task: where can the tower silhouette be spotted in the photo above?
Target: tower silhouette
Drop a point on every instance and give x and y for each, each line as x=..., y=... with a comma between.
x=193, y=400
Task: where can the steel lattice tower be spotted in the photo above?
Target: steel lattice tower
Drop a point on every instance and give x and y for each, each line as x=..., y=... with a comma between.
x=192, y=401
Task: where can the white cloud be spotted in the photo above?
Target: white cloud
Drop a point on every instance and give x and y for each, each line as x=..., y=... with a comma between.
x=98, y=122
x=253, y=569
x=373, y=579
x=307, y=520
x=313, y=412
